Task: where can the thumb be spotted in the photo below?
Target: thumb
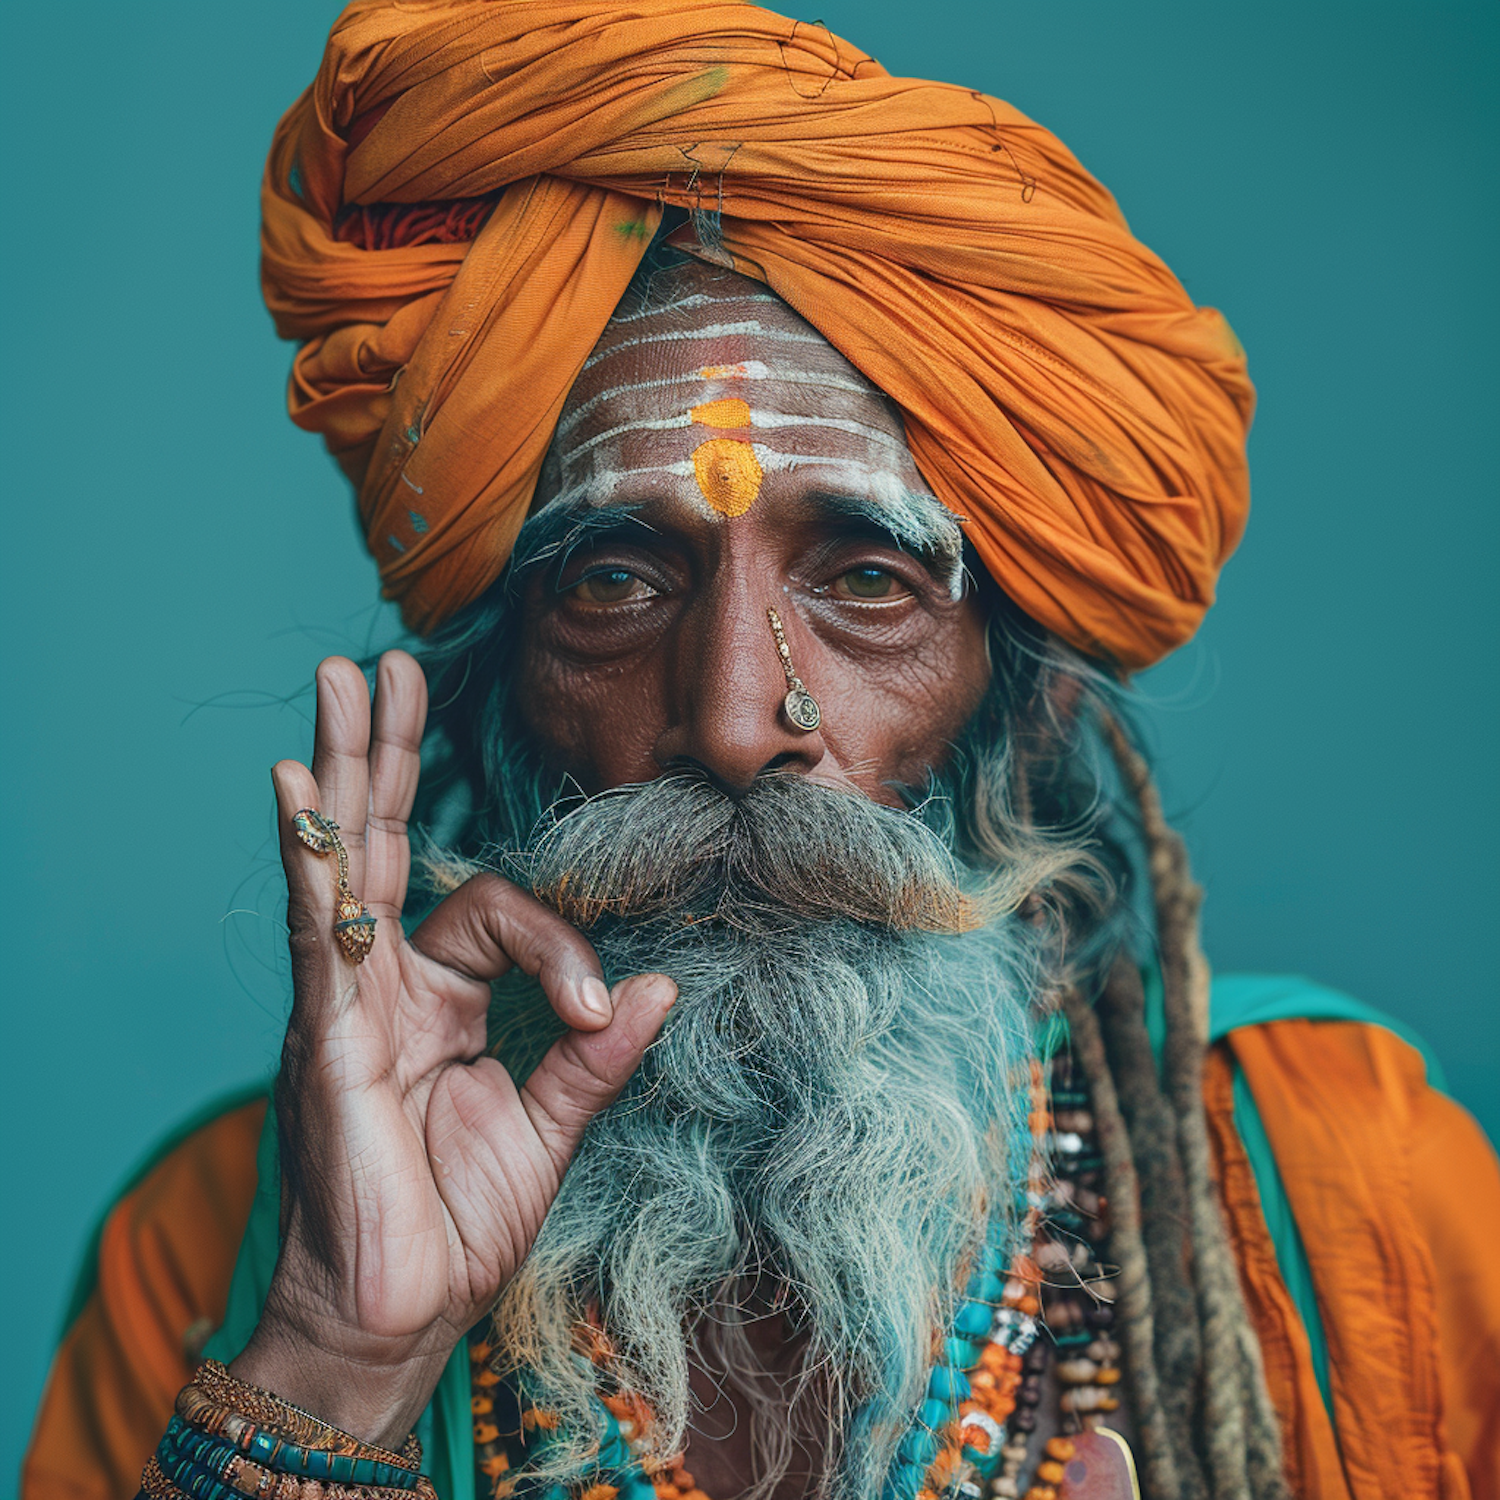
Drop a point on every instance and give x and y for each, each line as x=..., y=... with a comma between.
x=585, y=1070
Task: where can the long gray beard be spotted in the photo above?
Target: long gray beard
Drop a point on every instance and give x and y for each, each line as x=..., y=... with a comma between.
x=835, y=1107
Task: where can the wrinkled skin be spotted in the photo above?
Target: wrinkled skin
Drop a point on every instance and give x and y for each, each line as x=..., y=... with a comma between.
x=417, y=1174
x=652, y=645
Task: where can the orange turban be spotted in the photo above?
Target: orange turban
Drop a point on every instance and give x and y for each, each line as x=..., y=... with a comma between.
x=1060, y=390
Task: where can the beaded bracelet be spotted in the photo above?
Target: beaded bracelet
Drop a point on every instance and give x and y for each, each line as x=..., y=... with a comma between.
x=198, y=1414
x=215, y=1389
x=157, y=1486
x=228, y=1463
x=200, y=1481
x=207, y=1468
x=230, y=1440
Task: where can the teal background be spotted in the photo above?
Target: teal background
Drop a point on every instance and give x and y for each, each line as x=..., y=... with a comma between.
x=177, y=557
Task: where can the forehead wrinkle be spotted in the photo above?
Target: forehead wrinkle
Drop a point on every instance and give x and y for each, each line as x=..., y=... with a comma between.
x=781, y=377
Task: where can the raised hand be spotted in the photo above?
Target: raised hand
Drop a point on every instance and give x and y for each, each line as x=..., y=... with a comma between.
x=415, y=1174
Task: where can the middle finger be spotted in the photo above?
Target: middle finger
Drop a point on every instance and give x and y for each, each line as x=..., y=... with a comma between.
x=395, y=766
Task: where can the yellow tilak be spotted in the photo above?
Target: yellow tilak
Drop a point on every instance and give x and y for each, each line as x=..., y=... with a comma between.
x=729, y=474
x=730, y=412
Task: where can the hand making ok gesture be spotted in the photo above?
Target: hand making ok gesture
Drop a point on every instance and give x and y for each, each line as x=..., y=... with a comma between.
x=415, y=1173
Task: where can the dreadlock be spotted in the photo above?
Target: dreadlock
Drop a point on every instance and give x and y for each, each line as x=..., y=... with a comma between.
x=1188, y=1341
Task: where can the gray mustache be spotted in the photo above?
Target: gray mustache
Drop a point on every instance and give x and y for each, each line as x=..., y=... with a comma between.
x=788, y=850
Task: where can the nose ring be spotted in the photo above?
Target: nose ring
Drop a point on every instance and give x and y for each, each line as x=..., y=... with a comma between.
x=799, y=705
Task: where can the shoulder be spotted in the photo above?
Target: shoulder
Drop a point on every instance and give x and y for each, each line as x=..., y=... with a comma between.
x=1394, y=1199
x=1240, y=1000
x=155, y=1283
x=1341, y=1088
x=1308, y=1050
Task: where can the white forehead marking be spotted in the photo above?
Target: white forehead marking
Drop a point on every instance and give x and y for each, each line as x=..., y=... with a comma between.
x=598, y=489
x=643, y=424
x=577, y=415
x=712, y=331
x=882, y=481
x=761, y=420
x=768, y=419
x=748, y=369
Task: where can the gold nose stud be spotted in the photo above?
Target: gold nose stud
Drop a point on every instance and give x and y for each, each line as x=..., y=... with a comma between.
x=799, y=705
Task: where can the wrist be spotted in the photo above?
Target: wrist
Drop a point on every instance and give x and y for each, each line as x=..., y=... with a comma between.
x=374, y=1397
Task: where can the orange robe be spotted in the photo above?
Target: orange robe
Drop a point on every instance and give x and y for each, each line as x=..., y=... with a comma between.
x=1393, y=1186
x=165, y=1257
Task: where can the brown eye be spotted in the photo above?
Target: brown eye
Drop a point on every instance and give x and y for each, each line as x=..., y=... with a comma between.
x=611, y=586
x=866, y=583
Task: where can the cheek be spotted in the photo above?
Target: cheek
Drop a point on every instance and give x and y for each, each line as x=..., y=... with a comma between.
x=597, y=725
x=895, y=718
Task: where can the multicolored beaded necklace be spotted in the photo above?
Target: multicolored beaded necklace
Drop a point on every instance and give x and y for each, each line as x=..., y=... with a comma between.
x=975, y=1433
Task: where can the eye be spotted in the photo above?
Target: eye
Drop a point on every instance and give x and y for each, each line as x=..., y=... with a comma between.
x=611, y=586
x=867, y=583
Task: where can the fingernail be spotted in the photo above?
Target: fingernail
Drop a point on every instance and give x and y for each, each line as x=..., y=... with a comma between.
x=594, y=998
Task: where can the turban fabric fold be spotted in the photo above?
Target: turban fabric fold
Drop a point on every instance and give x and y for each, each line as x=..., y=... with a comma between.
x=1061, y=392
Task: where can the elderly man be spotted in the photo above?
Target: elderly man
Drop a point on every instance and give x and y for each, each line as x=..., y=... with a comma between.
x=794, y=1079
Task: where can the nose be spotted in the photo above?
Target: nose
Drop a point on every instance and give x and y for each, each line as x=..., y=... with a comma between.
x=728, y=716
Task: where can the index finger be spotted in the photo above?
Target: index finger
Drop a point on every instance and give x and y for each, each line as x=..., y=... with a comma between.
x=488, y=924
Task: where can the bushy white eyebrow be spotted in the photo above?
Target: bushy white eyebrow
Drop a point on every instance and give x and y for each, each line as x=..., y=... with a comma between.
x=917, y=522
